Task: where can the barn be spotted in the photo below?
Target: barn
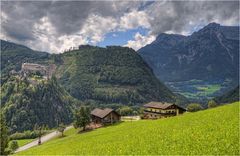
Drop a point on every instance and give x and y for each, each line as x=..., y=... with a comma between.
x=103, y=116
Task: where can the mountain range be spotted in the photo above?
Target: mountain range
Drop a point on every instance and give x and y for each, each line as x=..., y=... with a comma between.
x=97, y=77
x=210, y=55
x=118, y=76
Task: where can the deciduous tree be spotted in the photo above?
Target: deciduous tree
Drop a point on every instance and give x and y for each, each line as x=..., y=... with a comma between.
x=193, y=107
x=82, y=118
x=61, y=128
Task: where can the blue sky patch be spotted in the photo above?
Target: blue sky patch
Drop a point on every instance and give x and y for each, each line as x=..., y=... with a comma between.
x=121, y=37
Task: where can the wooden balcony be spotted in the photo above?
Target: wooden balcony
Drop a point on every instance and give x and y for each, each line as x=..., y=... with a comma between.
x=170, y=113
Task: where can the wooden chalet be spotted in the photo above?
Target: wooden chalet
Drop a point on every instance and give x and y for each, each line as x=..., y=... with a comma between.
x=156, y=110
x=103, y=116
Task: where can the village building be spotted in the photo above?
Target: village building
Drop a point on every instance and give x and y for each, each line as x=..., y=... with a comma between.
x=104, y=116
x=156, y=110
x=45, y=71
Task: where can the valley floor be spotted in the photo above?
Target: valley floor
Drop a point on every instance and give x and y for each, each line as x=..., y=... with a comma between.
x=214, y=131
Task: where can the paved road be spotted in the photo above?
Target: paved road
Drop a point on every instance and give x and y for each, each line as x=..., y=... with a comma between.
x=43, y=139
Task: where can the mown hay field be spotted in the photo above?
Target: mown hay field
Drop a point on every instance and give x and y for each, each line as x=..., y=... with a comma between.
x=214, y=131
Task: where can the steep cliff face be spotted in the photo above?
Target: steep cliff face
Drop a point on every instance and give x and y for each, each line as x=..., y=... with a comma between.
x=211, y=53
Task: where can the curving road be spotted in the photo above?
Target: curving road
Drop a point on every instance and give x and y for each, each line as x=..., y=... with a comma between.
x=44, y=138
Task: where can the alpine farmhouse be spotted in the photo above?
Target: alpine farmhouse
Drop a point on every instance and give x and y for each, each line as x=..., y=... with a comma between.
x=104, y=116
x=156, y=110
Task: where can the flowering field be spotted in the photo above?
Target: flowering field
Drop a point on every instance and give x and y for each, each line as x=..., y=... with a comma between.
x=214, y=131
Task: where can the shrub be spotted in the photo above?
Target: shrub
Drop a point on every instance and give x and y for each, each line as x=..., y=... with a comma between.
x=125, y=111
x=14, y=145
x=212, y=104
x=26, y=135
x=193, y=107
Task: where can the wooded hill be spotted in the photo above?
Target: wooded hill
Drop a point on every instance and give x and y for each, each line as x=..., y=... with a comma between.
x=112, y=75
x=25, y=105
x=230, y=96
x=109, y=76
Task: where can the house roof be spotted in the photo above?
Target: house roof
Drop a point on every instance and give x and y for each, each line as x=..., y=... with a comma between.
x=101, y=113
x=161, y=105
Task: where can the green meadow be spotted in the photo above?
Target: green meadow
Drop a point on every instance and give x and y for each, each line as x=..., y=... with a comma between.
x=213, y=131
x=23, y=142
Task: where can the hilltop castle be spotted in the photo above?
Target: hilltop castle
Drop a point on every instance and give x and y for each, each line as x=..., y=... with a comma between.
x=45, y=71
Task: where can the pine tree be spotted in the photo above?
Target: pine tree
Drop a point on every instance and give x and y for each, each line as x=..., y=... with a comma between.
x=4, y=136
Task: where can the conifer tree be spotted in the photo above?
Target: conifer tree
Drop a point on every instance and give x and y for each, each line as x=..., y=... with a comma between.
x=4, y=135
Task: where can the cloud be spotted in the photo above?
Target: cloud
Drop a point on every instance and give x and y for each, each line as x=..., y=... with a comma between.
x=181, y=16
x=140, y=41
x=54, y=25
x=45, y=34
x=134, y=19
x=96, y=27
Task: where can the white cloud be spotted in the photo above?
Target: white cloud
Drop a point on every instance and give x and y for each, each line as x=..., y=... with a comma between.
x=134, y=19
x=140, y=41
x=97, y=26
x=47, y=38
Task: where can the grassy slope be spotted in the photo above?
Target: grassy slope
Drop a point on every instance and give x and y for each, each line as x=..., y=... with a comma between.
x=213, y=131
x=22, y=142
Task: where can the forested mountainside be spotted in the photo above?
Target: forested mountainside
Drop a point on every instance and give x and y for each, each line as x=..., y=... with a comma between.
x=112, y=75
x=210, y=55
x=98, y=76
x=230, y=96
x=25, y=104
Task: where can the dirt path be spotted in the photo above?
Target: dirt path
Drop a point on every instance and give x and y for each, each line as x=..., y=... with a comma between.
x=43, y=139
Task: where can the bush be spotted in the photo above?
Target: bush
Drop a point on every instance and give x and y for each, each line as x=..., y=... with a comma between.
x=13, y=145
x=26, y=135
x=125, y=111
x=194, y=107
x=212, y=104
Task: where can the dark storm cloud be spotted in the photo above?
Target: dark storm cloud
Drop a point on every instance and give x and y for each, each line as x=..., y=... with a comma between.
x=18, y=19
x=66, y=17
x=177, y=15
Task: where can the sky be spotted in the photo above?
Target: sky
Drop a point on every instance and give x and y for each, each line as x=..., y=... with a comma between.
x=55, y=26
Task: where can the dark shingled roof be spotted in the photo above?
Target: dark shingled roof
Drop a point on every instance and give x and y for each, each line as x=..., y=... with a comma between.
x=101, y=113
x=161, y=105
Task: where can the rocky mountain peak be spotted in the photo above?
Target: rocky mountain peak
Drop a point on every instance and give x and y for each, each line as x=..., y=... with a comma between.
x=168, y=39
